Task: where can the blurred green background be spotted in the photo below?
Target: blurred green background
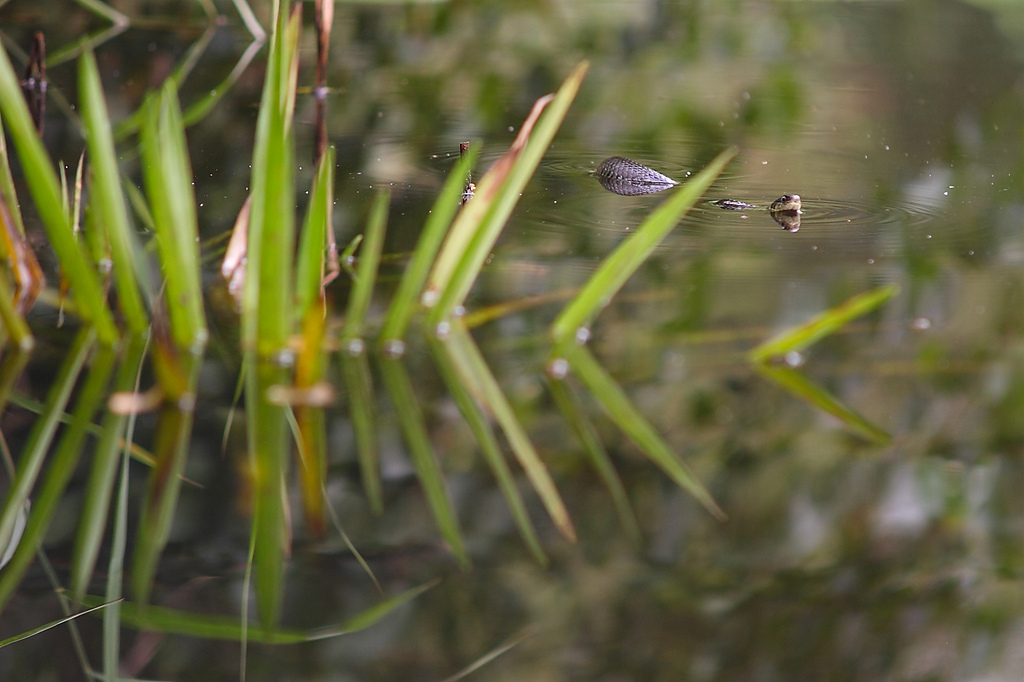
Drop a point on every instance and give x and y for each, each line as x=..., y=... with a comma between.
x=901, y=124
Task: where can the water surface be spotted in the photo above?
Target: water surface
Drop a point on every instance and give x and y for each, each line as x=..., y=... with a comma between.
x=898, y=123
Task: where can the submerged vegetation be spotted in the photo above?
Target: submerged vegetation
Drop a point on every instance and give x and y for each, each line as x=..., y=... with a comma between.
x=139, y=307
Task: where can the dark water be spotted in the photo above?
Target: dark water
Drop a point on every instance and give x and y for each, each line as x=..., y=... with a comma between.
x=900, y=126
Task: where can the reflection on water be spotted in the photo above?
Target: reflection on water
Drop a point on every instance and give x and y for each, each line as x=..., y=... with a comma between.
x=898, y=125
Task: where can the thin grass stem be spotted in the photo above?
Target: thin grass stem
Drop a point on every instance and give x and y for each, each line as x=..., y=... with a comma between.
x=34, y=453
x=61, y=466
x=208, y=626
x=99, y=488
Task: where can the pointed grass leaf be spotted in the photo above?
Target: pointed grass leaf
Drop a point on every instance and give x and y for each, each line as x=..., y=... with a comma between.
x=802, y=336
x=11, y=366
x=7, y=552
x=268, y=302
x=169, y=187
x=49, y=626
x=7, y=190
x=424, y=460
x=488, y=657
x=311, y=426
x=482, y=219
x=488, y=444
x=366, y=272
x=99, y=488
x=477, y=376
x=107, y=198
x=441, y=214
x=633, y=252
x=61, y=466
x=354, y=361
x=799, y=385
x=35, y=449
x=118, y=544
x=171, y=448
x=45, y=189
x=209, y=626
x=621, y=411
x=362, y=404
x=813, y=330
x=311, y=266
x=13, y=321
x=183, y=67
x=198, y=110
x=598, y=455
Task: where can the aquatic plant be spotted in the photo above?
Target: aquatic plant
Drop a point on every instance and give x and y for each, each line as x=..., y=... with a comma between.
x=286, y=345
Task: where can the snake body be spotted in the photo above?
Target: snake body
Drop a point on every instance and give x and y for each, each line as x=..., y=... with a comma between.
x=627, y=177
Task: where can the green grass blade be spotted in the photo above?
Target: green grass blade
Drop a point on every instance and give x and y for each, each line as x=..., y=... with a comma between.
x=198, y=110
x=478, y=226
x=618, y=407
x=410, y=419
x=105, y=11
x=348, y=257
x=175, y=79
x=488, y=657
x=362, y=404
x=310, y=422
x=248, y=17
x=267, y=308
x=7, y=191
x=309, y=271
x=477, y=377
x=107, y=199
x=477, y=421
x=599, y=457
x=336, y=522
x=169, y=186
x=115, y=565
x=800, y=337
x=441, y=214
x=89, y=41
x=45, y=188
x=205, y=626
x=99, y=488
x=11, y=367
x=138, y=453
x=59, y=470
x=366, y=273
x=34, y=452
x=13, y=322
x=171, y=448
x=138, y=201
x=802, y=387
x=354, y=362
x=631, y=253
x=49, y=626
